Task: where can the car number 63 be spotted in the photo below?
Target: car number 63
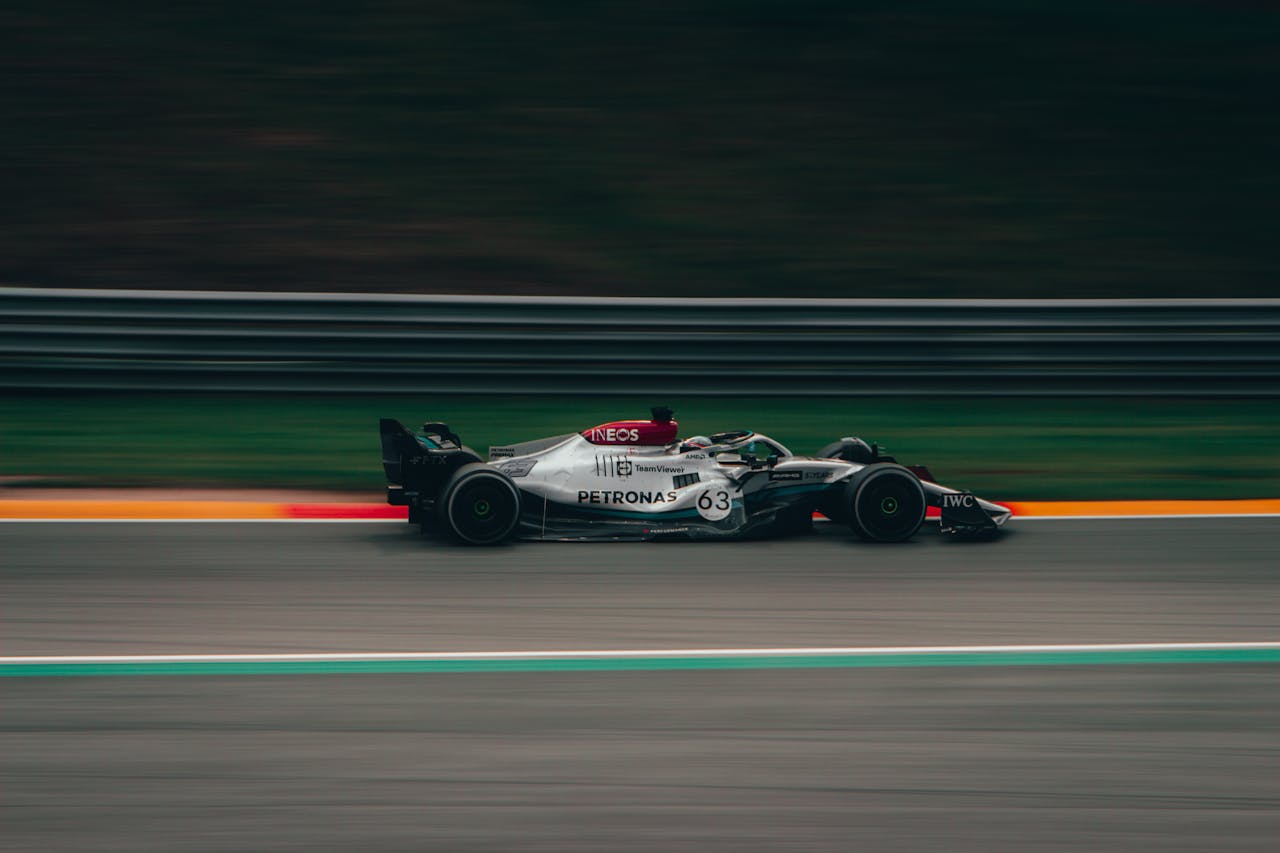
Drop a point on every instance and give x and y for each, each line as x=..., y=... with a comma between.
x=714, y=504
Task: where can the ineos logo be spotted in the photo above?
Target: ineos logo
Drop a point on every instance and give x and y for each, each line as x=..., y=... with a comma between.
x=616, y=435
x=955, y=501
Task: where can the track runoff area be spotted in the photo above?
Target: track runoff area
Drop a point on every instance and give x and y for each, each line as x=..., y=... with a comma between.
x=610, y=660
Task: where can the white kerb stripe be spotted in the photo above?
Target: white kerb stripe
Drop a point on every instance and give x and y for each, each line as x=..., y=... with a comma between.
x=645, y=653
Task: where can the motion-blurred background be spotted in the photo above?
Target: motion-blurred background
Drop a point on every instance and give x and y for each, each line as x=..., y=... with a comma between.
x=709, y=149
x=1018, y=149
x=472, y=179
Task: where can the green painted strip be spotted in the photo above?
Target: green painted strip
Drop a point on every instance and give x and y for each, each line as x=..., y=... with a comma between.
x=624, y=664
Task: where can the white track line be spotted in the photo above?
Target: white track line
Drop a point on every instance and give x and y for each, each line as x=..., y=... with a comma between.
x=641, y=653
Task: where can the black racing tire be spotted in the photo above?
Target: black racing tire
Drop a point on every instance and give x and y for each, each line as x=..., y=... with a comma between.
x=886, y=503
x=479, y=505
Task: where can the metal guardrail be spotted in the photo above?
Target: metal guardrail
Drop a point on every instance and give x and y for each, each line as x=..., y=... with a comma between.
x=380, y=343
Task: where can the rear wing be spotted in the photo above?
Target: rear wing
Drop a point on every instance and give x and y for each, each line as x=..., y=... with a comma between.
x=397, y=445
x=418, y=466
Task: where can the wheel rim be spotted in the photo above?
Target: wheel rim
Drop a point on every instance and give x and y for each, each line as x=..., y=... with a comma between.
x=890, y=506
x=484, y=509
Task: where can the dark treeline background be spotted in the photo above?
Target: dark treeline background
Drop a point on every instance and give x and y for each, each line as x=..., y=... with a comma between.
x=1020, y=148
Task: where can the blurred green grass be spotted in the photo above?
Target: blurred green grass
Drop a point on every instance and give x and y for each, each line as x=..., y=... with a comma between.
x=812, y=148
x=1003, y=448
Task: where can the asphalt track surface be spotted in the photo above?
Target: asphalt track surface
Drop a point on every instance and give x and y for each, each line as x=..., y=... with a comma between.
x=1114, y=757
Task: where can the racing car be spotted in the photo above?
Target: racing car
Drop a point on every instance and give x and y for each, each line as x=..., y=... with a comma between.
x=637, y=480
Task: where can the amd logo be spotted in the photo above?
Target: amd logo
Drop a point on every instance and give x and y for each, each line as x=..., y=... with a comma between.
x=957, y=501
x=617, y=435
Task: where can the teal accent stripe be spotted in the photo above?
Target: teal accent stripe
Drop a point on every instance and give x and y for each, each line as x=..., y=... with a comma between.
x=38, y=668
x=790, y=490
x=658, y=517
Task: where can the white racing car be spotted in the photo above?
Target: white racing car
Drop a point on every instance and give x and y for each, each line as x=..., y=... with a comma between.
x=635, y=480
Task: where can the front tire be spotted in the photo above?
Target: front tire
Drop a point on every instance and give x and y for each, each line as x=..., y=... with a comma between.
x=886, y=503
x=479, y=505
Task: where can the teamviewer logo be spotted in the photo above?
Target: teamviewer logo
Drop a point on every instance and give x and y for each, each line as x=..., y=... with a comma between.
x=614, y=467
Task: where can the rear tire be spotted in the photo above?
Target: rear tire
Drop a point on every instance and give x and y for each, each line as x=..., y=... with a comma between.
x=886, y=503
x=479, y=505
